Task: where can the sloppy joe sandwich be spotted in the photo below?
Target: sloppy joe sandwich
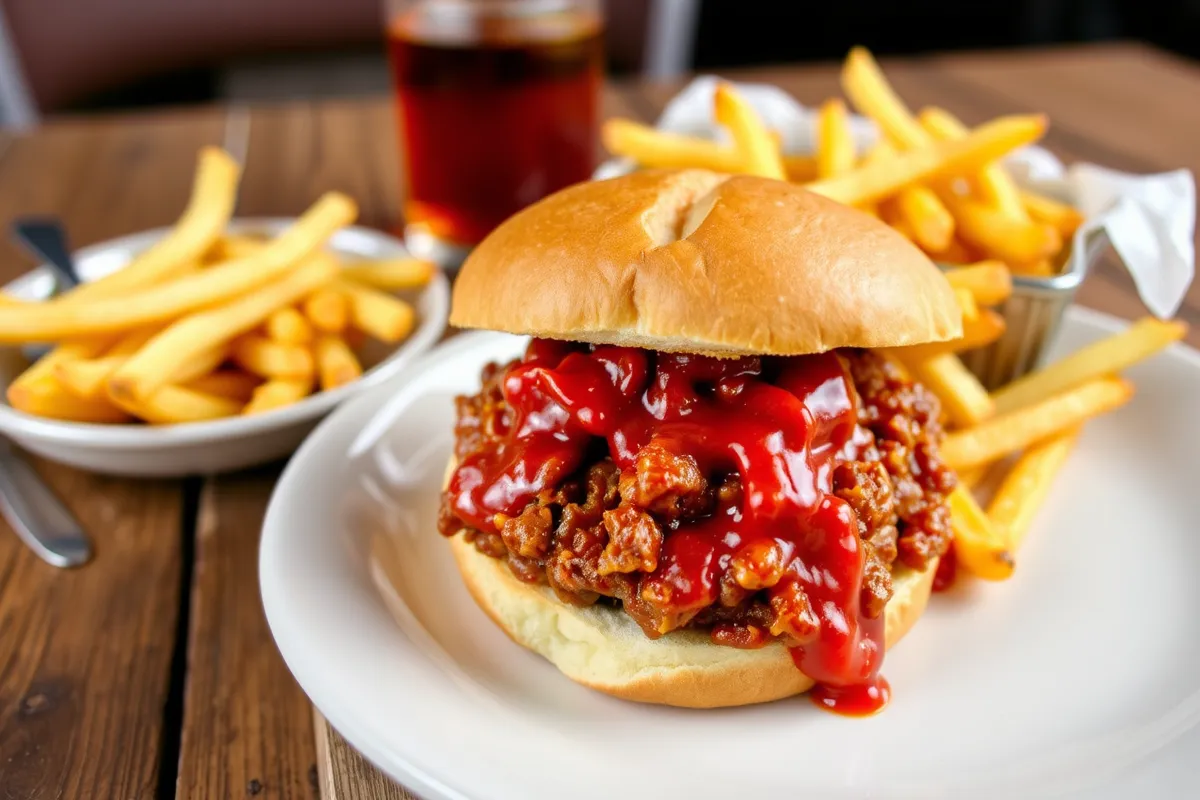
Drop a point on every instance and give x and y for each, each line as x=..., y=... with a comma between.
x=702, y=485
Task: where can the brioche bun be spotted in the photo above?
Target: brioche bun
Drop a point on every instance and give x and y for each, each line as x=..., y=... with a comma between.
x=603, y=648
x=700, y=262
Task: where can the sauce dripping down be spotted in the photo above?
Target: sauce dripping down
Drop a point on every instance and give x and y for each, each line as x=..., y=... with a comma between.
x=777, y=422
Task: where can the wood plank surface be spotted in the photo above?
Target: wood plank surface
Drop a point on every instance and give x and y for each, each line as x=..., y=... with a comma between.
x=247, y=727
x=86, y=655
x=345, y=775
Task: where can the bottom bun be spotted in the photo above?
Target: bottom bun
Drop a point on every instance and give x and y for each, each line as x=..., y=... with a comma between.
x=603, y=648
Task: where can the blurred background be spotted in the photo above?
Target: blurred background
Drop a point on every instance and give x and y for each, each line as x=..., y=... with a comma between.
x=81, y=56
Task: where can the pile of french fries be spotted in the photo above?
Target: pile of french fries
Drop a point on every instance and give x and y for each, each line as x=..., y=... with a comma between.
x=929, y=176
x=206, y=324
x=942, y=186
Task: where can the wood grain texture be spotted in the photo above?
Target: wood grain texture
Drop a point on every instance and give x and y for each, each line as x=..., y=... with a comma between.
x=86, y=655
x=346, y=775
x=247, y=729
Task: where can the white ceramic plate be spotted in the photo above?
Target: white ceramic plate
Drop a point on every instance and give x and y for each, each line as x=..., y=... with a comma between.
x=1078, y=677
x=219, y=445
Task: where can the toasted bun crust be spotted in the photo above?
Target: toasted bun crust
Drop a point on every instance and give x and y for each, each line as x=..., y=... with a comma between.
x=603, y=648
x=696, y=261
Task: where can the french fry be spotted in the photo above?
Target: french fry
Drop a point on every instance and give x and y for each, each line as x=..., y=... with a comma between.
x=170, y=405
x=800, y=168
x=88, y=379
x=966, y=302
x=44, y=396
x=982, y=145
x=387, y=318
x=271, y=359
x=288, y=326
x=1108, y=356
x=214, y=193
x=277, y=394
x=156, y=364
x=328, y=310
x=989, y=282
x=835, y=147
x=223, y=283
x=1015, y=430
x=964, y=399
x=973, y=476
x=231, y=384
x=1026, y=486
x=979, y=547
x=870, y=93
x=992, y=184
x=32, y=379
x=1042, y=268
x=989, y=229
x=131, y=341
x=234, y=246
x=336, y=363
x=978, y=332
x=956, y=253
x=391, y=275
x=927, y=216
x=759, y=150
x=651, y=147
x=1051, y=212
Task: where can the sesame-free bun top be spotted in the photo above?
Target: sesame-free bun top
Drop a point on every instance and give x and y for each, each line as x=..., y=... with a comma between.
x=697, y=261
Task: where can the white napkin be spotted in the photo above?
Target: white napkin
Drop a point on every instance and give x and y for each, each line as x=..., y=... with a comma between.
x=1148, y=218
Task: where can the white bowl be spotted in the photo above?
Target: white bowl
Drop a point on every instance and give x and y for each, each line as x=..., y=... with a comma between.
x=199, y=448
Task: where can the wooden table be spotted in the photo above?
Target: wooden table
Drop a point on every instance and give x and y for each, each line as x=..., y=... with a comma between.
x=151, y=671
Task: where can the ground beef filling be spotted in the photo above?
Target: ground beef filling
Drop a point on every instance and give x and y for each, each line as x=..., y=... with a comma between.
x=592, y=537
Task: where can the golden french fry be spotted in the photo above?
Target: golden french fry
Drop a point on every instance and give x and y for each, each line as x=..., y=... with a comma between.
x=235, y=246
x=989, y=281
x=992, y=184
x=987, y=228
x=978, y=332
x=759, y=150
x=231, y=384
x=328, y=310
x=387, y=318
x=651, y=147
x=223, y=283
x=964, y=399
x=336, y=362
x=391, y=275
x=169, y=405
x=271, y=359
x=156, y=364
x=1042, y=268
x=835, y=147
x=46, y=397
x=1108, y=356
x=902, y=227
x=979, y=547
x=870, y=93
x=1051, y=212
x=988, y=142
x=955, y=253
x=800, y=168
x=1015, y=430
x=929, y=220
x=277, y=394
x=88, y=379
x=1026, y=485
x=288, y=326
x=966, y=301
x=32, y=380
x=214, y=193
x=131, y=341
x=973, y=476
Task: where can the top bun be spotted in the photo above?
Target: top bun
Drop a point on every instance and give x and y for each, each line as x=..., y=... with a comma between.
x=700, y=262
